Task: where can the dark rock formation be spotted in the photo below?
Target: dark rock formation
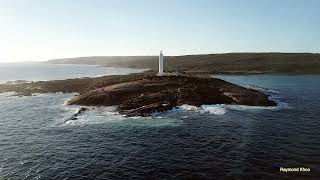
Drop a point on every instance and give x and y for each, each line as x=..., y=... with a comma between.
x=80, y=112
x=141, y=97
x=141, y=94
x=78, y=85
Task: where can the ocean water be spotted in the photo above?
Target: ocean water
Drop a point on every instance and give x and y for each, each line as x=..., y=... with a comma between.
x=43, y=72
x=37, y=141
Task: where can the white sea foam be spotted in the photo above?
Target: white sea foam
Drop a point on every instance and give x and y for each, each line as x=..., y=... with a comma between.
x=280, y=104
x=99, y=115
x=65, y=103
x=221, y=109
x=188, y=107
x=8, y=94
x=94, y=115
x=262, y=89
x=273, y=91
x=245, y=107
x=249, y=86
x=212, y=109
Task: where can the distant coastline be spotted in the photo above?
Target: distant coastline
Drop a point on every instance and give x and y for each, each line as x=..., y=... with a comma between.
x=17, y=73
x=227, y=63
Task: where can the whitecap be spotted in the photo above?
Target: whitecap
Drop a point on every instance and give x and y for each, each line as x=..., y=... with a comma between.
x=188, y=107
x=65, y=103
x=245, y=107
x=8, y=94
x=102, y=115
x=258, y=88
x=221, y=109
x=94, y=115
x=273, y=91
x=262, y=89
x=213, y=109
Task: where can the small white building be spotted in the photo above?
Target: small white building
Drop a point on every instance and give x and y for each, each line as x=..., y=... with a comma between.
x=160, y=73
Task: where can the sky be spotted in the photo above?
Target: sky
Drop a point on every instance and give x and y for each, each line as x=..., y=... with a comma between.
x=37, y=30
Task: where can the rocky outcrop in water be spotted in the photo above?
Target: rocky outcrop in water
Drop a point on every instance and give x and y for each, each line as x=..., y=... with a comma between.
x=141, y=94
x=155, y=94
x=79, y=112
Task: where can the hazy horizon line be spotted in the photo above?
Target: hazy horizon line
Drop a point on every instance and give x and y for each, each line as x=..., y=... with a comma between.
x=240, y=52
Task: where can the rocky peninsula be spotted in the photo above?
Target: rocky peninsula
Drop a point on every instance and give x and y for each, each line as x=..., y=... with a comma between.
x=142, y=94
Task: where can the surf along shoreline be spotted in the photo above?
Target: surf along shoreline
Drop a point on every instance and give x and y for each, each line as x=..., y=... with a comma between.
x=141, y=94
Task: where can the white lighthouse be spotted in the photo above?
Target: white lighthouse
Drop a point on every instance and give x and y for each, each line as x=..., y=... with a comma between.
x=160, y=73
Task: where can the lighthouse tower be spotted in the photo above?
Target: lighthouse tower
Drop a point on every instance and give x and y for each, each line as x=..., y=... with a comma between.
x=160, y=73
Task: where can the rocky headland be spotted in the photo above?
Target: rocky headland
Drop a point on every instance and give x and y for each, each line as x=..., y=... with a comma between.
x=225, y=63
x=142, y=94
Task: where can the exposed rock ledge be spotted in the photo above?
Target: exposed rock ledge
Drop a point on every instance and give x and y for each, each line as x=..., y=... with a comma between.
x=145, y=93
x=153, y=94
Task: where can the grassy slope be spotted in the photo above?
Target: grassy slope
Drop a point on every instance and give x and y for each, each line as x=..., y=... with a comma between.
x=295, y=63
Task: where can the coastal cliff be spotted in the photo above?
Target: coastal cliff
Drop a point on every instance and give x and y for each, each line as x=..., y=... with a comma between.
x=145, y=93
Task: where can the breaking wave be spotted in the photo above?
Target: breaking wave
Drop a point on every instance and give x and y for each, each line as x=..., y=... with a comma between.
x=98, y=115
x=262, y=89
x=8, y=94
x=221, y=109
x=93, y=115
x=212, y=109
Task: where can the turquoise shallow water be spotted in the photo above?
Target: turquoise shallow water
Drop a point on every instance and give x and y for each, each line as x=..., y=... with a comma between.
x=237, y=142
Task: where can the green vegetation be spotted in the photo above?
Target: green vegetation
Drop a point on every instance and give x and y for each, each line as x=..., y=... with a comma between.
x=237, y=63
